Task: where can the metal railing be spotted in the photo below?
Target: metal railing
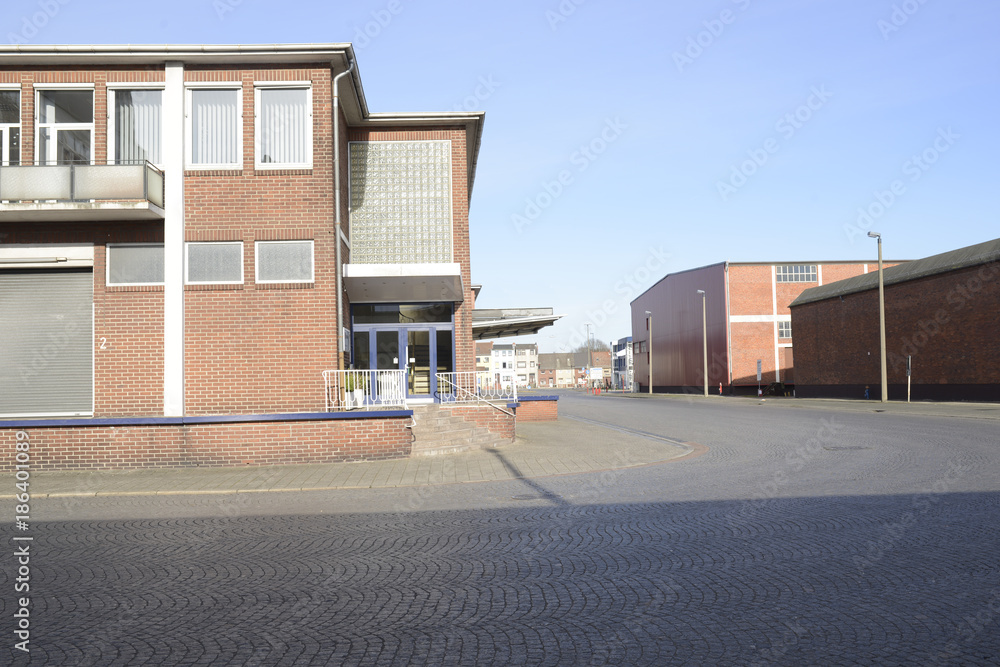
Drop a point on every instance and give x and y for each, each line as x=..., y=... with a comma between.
x=81, y=182
x=475, y=387
x=365, y=389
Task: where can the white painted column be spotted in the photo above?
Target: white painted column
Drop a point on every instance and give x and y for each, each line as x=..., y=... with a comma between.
x=173, y=241
x=774, y=313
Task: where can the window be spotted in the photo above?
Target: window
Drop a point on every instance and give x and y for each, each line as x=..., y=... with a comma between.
x=136, y=126
x=215, y=263
x=795, y=273
x=215, y=128
x=139, y=264
x=409, y=313
x=784, y=329
x=10, y=127
x=284, y=127
x=65, y=126
x=522, y=364
x=284, y=261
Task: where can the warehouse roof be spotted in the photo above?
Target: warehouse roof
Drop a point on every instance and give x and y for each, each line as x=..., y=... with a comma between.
x=973, y=255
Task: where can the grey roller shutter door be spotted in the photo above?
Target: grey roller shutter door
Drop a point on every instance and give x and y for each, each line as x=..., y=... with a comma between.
x=46, y=343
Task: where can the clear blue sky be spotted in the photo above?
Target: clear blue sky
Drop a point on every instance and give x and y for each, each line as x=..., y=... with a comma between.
x=734, y=130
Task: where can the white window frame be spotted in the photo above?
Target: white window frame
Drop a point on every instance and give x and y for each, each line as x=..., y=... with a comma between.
x=788, y=325
x=187, y=247
x=791, y=273
x=256, y=261
x=189, y=122
x=107, y=264
x=113, y=90
x=5, y=128
x=282, y=85
x=39, y=91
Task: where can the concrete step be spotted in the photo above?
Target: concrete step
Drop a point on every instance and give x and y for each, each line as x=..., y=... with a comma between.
x=437, y=431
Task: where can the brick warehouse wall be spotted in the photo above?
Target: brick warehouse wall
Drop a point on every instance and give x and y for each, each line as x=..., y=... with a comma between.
x=249, y=348
x=751, y=293
x=465, y=352
x=192, y=445
x=259, y=347
x=946, y=322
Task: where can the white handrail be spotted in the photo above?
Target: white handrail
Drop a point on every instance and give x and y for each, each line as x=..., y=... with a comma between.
x=364, y=389
x=474, y=387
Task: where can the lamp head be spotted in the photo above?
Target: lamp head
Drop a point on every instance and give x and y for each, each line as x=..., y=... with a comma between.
x=701, y=291
x=874, y=235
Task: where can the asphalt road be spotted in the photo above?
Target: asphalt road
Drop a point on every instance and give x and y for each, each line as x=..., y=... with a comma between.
x=796, y=536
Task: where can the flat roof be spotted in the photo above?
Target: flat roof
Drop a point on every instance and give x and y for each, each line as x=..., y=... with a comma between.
x=973, y=255
x=505, y=322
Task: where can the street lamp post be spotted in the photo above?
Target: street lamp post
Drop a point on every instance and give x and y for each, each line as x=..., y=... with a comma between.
x=704, y=340
x=649, y=348
x=881, y=317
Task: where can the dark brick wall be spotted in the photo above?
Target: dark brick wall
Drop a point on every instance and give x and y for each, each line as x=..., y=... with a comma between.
x=947, y=322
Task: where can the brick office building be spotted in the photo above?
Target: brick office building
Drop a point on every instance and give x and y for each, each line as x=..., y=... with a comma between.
x=191, y=235
x=941, y=311
x=746, y=317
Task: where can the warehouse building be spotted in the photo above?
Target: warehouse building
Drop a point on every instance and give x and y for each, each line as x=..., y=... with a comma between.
x=747, y=324
x=216, y=254
x=941, y=314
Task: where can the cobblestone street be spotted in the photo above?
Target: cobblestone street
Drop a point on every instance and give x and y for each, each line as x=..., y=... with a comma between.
x=796, y=536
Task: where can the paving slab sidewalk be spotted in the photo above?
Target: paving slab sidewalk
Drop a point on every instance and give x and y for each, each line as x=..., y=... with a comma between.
x=541, y=449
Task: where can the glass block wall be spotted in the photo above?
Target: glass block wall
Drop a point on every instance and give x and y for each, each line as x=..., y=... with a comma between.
x=400, y=202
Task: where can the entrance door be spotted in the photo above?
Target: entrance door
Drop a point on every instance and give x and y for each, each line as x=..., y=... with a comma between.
x=420, y=379
x=421, y=352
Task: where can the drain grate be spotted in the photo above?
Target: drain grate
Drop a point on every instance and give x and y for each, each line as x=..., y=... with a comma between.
x=846, y=448
x=528, y=496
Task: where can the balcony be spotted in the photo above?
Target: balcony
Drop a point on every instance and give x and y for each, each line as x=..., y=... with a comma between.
x=80, y=193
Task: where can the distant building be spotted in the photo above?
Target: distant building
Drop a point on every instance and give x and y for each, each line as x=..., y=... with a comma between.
x=503, y=364
x=484, y=356
x=940, y=311
x=622, y=364
x=561, y=369
x=600, y=359
x=526, y=364
x=748, y=321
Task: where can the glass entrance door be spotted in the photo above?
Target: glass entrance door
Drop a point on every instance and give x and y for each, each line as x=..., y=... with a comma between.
x=387, y=357
x=420, y=379
x=422, y=353
x=415, y=338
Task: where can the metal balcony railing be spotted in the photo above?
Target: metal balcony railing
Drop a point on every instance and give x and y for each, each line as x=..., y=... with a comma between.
x=81, y=183
x=365, y=389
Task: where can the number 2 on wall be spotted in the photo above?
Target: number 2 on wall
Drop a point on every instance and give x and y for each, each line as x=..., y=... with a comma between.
x=104, y=342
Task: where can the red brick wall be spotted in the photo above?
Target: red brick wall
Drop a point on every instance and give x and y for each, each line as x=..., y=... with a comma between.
x=261, y=443
x=946, y=322
x=263, y=348
x=538, y=411
x=465, y=353
x=248, y=348
x=487, y=417
x=751, y=293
